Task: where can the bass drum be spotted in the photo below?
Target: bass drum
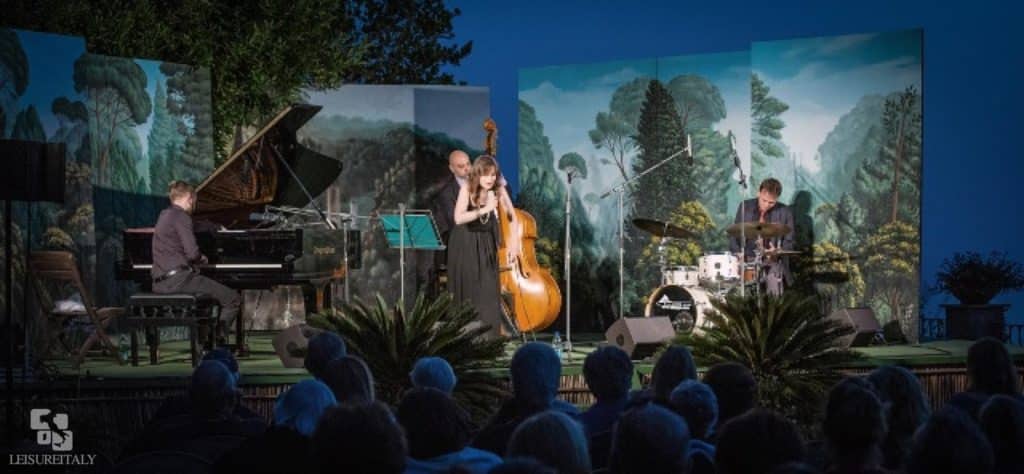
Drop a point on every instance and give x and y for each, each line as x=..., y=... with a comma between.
x=684, y=306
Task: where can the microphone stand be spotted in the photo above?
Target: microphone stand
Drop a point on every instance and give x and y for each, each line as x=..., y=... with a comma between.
x=621, y=189
x=567, y=260
x=743, y=213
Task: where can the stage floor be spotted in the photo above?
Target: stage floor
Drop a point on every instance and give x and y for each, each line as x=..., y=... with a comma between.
x=263, y=367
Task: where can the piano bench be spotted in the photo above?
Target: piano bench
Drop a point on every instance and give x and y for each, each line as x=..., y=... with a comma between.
x=151, y=311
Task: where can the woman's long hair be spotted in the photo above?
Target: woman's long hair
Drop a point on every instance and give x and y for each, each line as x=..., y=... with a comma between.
x=483, y=165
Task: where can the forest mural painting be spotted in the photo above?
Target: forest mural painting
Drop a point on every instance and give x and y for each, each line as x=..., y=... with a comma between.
x=130, y=126
x=837, y=120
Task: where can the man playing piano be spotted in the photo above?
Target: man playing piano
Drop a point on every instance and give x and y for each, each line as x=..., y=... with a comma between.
x=175, y=255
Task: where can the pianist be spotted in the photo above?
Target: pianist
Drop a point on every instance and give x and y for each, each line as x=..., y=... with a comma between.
x=176, y=254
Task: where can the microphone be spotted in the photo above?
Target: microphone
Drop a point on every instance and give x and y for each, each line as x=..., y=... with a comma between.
x=689, y=149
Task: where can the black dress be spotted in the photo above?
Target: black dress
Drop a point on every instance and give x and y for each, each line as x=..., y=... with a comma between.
x=473, y=268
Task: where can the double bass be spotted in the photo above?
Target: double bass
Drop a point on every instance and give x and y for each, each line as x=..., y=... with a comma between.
x=533, y=297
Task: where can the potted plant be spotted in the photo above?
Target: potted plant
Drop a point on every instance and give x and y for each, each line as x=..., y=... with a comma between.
x=975, y=280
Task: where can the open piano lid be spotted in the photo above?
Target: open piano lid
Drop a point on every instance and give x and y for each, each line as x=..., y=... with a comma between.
x=253, y=176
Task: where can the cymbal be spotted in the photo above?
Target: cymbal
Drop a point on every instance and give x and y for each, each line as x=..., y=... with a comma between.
x=757, y=229
x=662, y=229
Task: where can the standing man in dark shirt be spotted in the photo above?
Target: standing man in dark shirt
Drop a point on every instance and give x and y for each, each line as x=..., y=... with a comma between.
x=443, y=210
x=766, y=208
x=175, y=253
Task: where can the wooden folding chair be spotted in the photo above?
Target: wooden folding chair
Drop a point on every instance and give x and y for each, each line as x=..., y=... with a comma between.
x=60, y=266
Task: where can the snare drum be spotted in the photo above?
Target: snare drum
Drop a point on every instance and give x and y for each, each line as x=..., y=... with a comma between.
x=719, y=266
x=680, y=275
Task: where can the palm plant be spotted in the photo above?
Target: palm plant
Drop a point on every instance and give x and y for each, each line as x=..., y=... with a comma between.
x=792, y=350
x=391, y=340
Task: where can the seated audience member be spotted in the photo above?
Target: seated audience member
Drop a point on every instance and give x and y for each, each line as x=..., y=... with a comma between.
x=735, y=389
x=553, y=439
x=673, y=366
x=907, y=409
x=522, y=466
x=350, y=379
x=438, y=432
x=284, y=446
x=609, y=375
x=321, y=350
x=696, y=403
x=536, y=370
x=176, y=405
x=949, y=443
x=301, y=406
x=361, y=438
x=433, y=372
x=854, y=428
x=649, y=439
x=1002, y=421
x=794, y=468
x=757, y=441
x=210, y=428
x=990, y=371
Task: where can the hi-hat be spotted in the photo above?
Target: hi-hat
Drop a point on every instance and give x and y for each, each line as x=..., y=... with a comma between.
x=757, y=229
x=662, y=229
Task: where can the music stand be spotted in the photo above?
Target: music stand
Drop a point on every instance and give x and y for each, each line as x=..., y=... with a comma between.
x=409, y=228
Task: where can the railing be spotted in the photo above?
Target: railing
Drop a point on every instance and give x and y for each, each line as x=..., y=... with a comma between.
x=934, y=329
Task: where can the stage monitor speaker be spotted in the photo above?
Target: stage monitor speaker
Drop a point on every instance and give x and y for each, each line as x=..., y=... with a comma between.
x=640, y=337
x=33, y=171
x=295, y=338
x=864, y=323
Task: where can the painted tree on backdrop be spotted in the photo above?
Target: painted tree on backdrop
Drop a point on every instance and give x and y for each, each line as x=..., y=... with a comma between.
x=13, y=74
x=615, y=130
x=767, y=124
x=188, y=92
x=660, y=134
x=27, y=126
x=116, y=100
x=164, y=143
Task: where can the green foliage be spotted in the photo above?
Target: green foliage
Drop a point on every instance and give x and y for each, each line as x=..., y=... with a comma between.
x=660, y=135
x=615, y=130
x=188, y=92
x=164, y=142
x=264, y=53
x=841, y=280
x=893, y=255
x=573, y=161
x=789, y=346
x=698, y=101
x=767, y=125
x=901, y=153
x=14, y=61
x=70, y=110
x=391, y=341
x=974, y=279
x=691, y=216
x=27, y=126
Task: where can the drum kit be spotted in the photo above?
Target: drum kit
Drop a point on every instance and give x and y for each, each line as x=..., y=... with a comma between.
x=685, y=292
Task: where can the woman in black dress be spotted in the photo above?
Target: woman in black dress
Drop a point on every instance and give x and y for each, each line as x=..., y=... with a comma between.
x=473, y=243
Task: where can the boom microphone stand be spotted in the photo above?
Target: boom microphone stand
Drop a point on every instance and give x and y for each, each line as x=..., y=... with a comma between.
x=621, y=189
x=743, y=211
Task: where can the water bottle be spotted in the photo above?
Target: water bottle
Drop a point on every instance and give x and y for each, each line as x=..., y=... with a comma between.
x=556, y=343
x=123, y=349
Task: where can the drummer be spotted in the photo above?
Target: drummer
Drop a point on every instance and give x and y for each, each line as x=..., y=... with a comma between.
x=766, y=208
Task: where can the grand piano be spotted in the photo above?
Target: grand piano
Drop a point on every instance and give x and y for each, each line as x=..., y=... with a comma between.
x=248, y=247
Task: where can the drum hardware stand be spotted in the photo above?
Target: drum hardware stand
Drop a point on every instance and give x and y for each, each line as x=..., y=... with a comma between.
x=620, y=189
x=743, y=215
x=567, y=261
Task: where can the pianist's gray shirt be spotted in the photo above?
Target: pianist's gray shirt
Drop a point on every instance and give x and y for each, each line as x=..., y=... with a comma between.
x=174, y=242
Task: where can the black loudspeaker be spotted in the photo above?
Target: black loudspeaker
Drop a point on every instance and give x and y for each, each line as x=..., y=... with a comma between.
x=640, y=337
x=33, y=171
x=294, y=339
x=863, y=321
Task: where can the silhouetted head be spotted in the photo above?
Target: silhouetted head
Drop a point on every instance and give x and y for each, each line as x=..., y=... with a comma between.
x=1002, y=421
x=213, y=393
x=854, y=423
x=735, y=389
x=322, y=349
x=950, y=443
x=649, y=439
x=990, y=368
x=350, y=379
x=434, y=424
x=433, y=372
x=674, y=366
x=696, y=403
x=609, y=373
x=360, y=438
x=536, y=370
x=301, y=406
x=756, y=442
x=554, y=439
